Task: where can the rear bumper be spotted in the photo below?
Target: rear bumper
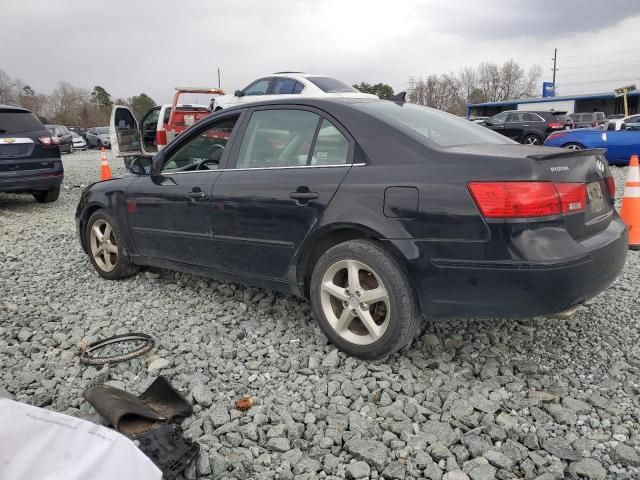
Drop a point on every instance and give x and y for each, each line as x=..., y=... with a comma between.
x=29, y=181
x=515, y=289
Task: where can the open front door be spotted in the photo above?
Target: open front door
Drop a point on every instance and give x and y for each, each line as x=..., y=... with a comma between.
x=124, y=132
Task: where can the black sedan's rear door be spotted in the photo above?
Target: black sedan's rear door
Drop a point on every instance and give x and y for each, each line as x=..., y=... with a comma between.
x=287, y=169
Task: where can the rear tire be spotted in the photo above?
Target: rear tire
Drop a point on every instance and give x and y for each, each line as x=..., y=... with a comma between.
x=363, y=301
x=573, y=146
x=47, y=196
x=532, y=139
x=104, y=244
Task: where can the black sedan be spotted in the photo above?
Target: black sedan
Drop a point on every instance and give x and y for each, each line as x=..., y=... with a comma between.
x=381, y=213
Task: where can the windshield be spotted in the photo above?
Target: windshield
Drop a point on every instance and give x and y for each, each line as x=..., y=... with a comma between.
x=331, y=85
x=17, y=122
x=441, y=128
x=102, y=130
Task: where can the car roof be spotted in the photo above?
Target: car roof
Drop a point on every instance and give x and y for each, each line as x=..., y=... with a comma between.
x=318, y=102
x=12, y=108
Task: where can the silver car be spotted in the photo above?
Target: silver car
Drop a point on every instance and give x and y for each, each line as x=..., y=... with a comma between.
x=98, y=137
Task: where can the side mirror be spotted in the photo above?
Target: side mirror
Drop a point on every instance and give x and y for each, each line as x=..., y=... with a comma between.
x=487, y=123
x=140, y=166
x=238, y=93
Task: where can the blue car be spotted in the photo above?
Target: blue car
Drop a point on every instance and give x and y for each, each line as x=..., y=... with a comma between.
x=620, y=144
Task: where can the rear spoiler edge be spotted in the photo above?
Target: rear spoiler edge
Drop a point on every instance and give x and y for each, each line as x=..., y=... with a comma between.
x=569, y=153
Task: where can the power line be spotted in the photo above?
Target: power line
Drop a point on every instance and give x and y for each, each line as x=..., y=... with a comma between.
x=610, y=52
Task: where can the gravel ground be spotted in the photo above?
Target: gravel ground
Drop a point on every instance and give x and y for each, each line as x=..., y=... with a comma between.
x=542, y=398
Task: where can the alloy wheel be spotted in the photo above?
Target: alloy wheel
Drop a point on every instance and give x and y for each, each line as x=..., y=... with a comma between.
x=104, y=248
x=573, y=146
x=532, y=140
x=355, y=302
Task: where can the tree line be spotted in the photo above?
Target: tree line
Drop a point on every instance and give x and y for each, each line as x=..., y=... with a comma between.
x=451, y=92
x=69, y=105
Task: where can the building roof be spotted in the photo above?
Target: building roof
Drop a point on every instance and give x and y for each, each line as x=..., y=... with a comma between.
x=590, y=96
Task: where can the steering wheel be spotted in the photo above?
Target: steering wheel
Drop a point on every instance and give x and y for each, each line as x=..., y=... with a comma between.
x=209, y=153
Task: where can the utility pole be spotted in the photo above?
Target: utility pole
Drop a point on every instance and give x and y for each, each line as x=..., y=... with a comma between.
x=218, y=77
x=555, y=69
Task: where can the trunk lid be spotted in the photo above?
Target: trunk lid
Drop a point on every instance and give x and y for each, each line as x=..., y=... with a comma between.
x=581, y=166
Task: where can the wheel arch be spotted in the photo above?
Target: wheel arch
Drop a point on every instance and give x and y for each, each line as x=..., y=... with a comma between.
x=84, y=218
x=327, y=237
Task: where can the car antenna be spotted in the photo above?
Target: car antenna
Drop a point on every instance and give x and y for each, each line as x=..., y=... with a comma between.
x=398, y=97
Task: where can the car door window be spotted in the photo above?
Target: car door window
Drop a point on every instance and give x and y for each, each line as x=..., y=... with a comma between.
x=286, y=86
x=498, y=119
x=278, y=138
x=531, y=117
x=331, y=148
x=259, y=87
x=202, y=152
x=514, y=117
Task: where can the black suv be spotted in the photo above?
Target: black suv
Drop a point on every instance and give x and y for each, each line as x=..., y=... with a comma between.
x=29, y=156
x=531, y=128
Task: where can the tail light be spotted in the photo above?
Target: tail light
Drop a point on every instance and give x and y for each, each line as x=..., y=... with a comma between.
x=611, y=186
x=161, y=137
x=573, y=196
x=527, y=199
x=555, y=125
x=48, y=141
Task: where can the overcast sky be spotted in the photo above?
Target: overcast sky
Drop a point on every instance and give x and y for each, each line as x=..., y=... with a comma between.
x=132, y=46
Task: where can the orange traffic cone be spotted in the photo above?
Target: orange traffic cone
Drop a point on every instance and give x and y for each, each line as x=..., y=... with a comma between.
x=105, y=169
x=630, y=210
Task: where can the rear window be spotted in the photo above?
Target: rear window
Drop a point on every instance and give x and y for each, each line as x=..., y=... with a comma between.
x=19, y=122
x=331, y=85
x=600, y=116
x=443, y=129
x=561, y=117
x=102, y=130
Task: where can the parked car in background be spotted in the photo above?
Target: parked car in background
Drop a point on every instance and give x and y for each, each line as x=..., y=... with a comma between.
x=615, y=116
x=479, y=120
x=528, y=127
x=377, y=211
x=620, y=144
x=289, y=84
x=78, y=142
x=588, y=120
x=632, y=121
x=64, y=137
x=98, y=137
x=160, y=125
x=80, y=131
x=29, y=156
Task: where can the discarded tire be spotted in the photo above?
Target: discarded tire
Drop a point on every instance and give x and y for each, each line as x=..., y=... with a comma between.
x=142, y=343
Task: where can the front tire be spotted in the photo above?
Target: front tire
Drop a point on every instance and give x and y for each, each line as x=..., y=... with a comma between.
x=532, y=139
x=104, y=244
x=47, y=196
x=363, y=301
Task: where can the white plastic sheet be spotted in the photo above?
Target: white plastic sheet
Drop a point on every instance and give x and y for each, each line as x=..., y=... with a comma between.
x=37, y=444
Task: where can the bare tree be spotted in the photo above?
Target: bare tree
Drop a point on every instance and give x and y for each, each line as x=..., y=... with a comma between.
x=436, y=91
x=488, y=82
x=7, y=89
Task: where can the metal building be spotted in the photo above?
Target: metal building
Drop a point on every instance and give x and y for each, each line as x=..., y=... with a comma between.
x=596, y=102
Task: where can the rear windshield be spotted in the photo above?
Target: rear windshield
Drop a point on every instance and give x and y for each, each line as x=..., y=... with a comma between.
x=19, y=122
x=102, y=130
x=331, y=85
x=443, y=129
x=561, y=117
